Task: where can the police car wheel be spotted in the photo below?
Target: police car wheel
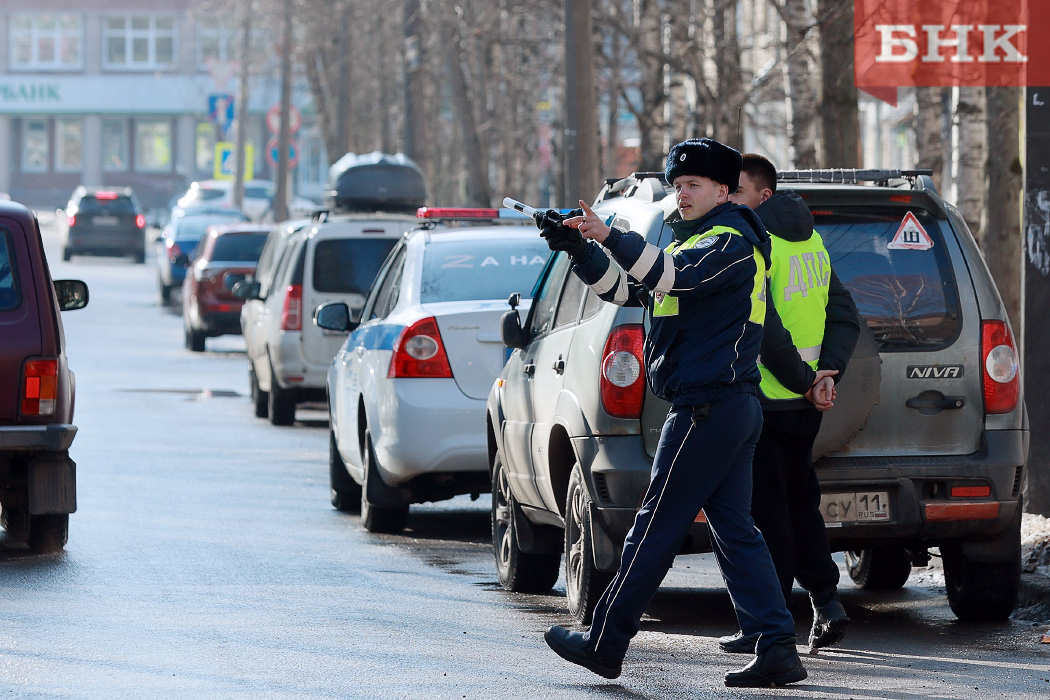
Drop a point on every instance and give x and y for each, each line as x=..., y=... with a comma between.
x=517, y=570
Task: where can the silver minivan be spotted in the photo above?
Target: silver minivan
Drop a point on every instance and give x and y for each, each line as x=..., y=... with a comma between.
x=304, y=265
x=924, y=454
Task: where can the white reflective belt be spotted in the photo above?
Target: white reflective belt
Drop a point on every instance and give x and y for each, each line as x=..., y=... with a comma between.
x=809, y=354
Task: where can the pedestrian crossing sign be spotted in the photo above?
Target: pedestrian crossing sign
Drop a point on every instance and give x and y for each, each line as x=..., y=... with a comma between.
x=226, y=161
x=911, y=235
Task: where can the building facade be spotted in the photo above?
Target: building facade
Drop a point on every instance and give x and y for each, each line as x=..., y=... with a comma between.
x=134, y=93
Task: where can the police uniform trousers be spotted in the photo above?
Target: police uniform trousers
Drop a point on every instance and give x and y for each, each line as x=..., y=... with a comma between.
x=786, y=503
x=703, y=461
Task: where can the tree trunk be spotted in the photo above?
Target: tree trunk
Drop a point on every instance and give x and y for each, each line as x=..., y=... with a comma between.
x=839, y=116
x=802, y=99
x=1002, y=215
x=970, y=118
x=929, y=135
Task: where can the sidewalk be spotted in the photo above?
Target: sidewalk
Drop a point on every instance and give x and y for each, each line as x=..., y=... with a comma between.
x=1034, y=603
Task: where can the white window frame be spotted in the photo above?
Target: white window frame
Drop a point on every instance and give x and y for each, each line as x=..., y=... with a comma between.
x=26, y=166
x=129, y=34
x=58, y=34
x=212, y=27
x=108, y=167
x=76, y=154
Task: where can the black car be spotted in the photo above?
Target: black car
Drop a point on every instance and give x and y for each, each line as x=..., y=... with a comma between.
x=104, y=221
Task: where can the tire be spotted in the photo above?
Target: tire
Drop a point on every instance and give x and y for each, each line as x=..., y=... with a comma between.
x=375, y=518
x=260, y=398
x=48, y=533
x=346, y=493
x=518, y=571
x=584, y=583
x=194, y=340
x=280, y=403
x=880, y=568
x=985, y=591
x=67, y=254
x=165, y=293
x=140, y=257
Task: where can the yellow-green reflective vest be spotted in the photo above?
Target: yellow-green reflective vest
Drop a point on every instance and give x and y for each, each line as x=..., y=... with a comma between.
x=798, y=286
x=667, y=304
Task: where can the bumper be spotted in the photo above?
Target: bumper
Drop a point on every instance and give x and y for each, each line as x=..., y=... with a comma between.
x=36, y=438
x=427, y=426
x=114, y=243
x=220, y=322
x=294, y=372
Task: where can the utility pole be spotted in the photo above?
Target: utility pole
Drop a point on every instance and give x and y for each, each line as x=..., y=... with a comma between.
x=242, y=105
x=281, y=196
x=580, y=105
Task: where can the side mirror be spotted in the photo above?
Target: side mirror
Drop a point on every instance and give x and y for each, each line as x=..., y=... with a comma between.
x=514, y=299
x=72, y=294
x=182, y=260
x=158, y=238
x=334, y=316
x=510, y=330
x=246, y=289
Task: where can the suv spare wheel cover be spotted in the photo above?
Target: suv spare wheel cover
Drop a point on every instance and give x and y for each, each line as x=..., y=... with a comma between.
x=858, y=392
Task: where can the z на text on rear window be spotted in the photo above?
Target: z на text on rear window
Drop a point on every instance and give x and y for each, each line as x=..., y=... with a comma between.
x=349, y=265
x=10, y=293
x=907, y=296
x=481, y=269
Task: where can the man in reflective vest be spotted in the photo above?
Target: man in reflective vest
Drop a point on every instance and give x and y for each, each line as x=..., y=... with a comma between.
x=822, y=319
x=706, y=301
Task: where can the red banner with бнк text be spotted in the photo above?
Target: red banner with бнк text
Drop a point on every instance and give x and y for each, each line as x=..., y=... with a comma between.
x=900, y=43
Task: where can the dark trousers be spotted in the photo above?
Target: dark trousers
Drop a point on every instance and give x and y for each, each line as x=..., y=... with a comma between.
x=703, y=461
x=785, y=502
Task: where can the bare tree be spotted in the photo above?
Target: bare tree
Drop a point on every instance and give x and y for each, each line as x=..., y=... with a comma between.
x=969, y=181
x=929, y=136
x=839, y=117
x=1001, y=222
x=802, y=121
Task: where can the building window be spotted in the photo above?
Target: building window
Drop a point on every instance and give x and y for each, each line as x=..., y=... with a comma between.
x=69, y=139
x=153, y=147
x=138, y=41
x=114, y=145
x=34, y=146
x=215, y=42
x=45, y=41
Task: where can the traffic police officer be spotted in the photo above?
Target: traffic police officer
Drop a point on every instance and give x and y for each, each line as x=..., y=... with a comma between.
x=822, y=319
x=707, y=306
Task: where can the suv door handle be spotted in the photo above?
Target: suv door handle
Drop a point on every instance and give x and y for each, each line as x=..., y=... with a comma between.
x=559, y=365
x=529, y=369
x=934, y=402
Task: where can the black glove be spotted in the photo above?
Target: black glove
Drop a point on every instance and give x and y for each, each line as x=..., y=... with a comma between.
x=559, y=236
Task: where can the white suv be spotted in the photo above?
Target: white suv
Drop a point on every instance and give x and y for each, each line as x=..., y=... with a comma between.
x=304, y=265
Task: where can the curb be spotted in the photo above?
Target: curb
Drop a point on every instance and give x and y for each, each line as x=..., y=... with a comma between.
x=1035, y=590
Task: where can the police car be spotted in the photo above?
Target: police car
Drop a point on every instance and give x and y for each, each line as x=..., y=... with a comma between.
x=923, y=454
x=407, y=390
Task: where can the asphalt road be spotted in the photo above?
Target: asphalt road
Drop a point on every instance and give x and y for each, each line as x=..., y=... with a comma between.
x=205, y=562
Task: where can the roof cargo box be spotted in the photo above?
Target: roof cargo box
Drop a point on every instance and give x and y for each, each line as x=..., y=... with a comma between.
x=375, y=182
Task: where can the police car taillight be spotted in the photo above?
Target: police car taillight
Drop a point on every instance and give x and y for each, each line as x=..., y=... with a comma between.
x=622, y=383
x=999, y=368
x=40, y=387
x=419, y=352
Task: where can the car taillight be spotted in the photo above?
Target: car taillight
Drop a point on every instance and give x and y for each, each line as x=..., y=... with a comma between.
x=999, y=367
x=39, y=387
x=622, y=384
x=419, y=352
x=292, y=311
x=71, y=220
x=140, y=220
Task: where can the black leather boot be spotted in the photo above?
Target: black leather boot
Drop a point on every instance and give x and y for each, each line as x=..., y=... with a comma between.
x=777, y=665
x=738, y=643
x=569, y=646
x=829, y=624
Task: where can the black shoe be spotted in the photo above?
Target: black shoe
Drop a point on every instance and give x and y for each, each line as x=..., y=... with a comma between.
x=738, y=643
x=569, y=646
x=829, y=624
x=777, y=665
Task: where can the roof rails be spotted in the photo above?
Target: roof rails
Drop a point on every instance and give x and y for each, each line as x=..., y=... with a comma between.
x=642, y=185
x=851, y=176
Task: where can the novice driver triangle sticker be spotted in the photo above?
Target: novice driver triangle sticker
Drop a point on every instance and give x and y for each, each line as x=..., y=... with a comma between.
x=911, y=235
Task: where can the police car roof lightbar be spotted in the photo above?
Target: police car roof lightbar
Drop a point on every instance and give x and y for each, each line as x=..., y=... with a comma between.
x=468, y=213
x=848, y=176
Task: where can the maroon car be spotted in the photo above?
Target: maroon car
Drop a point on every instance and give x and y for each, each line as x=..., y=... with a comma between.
x=225, y=256
x=37, y=477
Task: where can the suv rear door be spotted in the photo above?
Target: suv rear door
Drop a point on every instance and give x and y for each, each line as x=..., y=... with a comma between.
x=905, y=269
x=19, y=317
x=341, y=268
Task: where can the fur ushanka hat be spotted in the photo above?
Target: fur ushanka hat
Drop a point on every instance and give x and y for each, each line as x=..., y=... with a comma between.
x=707, y=158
